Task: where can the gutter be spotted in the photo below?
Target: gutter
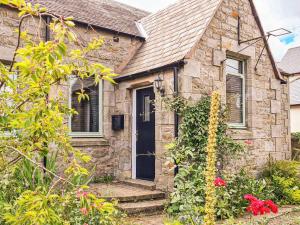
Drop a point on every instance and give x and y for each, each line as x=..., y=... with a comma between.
x=149, y=72
x=176, y=92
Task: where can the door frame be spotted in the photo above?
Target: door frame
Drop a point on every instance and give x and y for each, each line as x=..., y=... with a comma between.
x=133, y=131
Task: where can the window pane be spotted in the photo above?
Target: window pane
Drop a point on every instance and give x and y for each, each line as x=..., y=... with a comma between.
x=234, y=98
x=147, y=108
x=234, y=66
x=87, y=119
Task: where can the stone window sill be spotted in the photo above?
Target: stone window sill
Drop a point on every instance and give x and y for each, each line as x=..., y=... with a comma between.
x=89, y=142
x=240, y=133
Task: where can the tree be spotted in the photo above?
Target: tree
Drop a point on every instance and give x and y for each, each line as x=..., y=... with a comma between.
x=32, y=122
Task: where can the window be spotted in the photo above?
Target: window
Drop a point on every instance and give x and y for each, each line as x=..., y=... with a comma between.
x=147, y=108
x=88, y=120
x=235, y=92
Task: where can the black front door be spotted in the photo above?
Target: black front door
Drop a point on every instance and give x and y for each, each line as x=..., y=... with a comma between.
x=145, y=134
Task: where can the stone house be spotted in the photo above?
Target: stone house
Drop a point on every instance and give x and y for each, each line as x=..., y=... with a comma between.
x=290, y=66
x=190, y=48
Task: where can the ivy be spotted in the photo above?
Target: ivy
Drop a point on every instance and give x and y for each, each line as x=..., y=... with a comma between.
x=189, y=153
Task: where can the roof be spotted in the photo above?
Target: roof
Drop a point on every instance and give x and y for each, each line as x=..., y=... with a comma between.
x=172, y=33
x=295, y=92
x=108, y=14
x=291, y=61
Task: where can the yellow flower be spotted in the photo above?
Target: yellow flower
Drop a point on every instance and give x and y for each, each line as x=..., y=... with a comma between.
x=210, y=173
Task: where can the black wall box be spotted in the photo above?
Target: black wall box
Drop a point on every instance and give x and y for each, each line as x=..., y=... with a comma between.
x=117, y=122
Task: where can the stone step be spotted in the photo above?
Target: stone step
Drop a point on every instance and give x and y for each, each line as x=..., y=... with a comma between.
x=149, y=185
x=138, y=197
x=125, y=193
x=145, y=207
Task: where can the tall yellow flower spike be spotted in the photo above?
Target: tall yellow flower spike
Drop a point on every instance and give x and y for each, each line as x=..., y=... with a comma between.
x=210, y=173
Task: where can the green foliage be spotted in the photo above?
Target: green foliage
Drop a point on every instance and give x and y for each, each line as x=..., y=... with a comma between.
x=189, y=152
x=296, y=136
x=33, y=125
x=105, y=179
x=34, y=208
x=284, y=176
x=30, y=177
x=231, y=203
x=90, y=210
x=38, y=207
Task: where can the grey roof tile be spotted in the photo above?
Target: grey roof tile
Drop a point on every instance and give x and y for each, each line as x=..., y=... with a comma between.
x=172, y=32
x=107, y=14
x=291, y=61
x=295, y=92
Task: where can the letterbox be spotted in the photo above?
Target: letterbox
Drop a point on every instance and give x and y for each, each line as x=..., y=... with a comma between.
x=117, y=122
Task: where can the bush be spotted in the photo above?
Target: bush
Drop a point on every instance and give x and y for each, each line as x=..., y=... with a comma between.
x=30, y=196
x=231, y=201
x=39, y=207
x=189, y=153
x=284, y=176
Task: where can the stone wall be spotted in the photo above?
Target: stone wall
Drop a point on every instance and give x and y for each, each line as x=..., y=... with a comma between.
x=267, y=99
x=267, y=102
x=104, y=150
x=164, y=128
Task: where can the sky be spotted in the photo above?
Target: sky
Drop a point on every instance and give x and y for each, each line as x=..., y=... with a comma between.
x=274, y=14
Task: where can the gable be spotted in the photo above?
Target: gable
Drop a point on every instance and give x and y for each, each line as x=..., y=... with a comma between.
x=171, y=32
x=183, y=25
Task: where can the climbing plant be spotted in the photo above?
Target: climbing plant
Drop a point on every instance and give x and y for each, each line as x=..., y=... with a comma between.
x=189, y=153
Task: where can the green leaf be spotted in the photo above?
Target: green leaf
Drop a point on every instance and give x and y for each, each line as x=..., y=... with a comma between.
x=51, y=58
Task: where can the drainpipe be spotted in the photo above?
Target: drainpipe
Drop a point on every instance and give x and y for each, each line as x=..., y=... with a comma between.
x=176, y=92
x=47, y=38
x=176, y=116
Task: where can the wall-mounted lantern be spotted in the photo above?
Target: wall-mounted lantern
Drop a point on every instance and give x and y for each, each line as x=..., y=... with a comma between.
x=158, y=83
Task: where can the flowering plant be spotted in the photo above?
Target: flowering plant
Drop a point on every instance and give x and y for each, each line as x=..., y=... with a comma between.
x=259, y=207
x=219, y=182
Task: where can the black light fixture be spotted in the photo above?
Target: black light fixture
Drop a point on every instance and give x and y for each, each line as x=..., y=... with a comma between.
x=159, y=86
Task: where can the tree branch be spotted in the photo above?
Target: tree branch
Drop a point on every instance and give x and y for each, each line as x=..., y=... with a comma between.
x=19, y=41
x=39, y=165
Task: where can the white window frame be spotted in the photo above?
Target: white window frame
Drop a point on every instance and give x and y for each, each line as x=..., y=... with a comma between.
x=87, y=134
x=243, y=77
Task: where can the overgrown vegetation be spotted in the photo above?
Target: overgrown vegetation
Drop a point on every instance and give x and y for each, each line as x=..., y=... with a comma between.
x=189, y=153
x=296, y=146
x=278, y=183
x=284, y=177
x=32, y=127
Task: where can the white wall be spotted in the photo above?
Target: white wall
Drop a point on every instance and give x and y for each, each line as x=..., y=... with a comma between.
x=295, y=118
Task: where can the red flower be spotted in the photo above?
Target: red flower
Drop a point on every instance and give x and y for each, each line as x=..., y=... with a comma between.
x=81, y=193
x=250, y=198
x=272, y=206
x=219, y=182
x=84, y=211
x=258, y=207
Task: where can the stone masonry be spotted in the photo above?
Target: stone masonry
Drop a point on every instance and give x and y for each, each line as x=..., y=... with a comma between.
x=267, y=104
x=113, y=54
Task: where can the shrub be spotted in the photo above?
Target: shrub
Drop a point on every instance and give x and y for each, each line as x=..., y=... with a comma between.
x=39, y=207
x=231, y=201
x=189, y=153
x=284, y=177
